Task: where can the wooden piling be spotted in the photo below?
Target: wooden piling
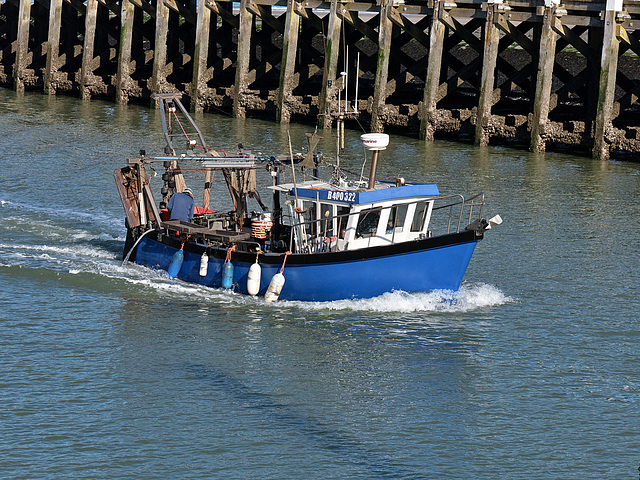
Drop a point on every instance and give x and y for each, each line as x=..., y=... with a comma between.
x=432, y=80
x=382, y=67
x=200, y=54
x=544, y=77
x=470, y=53
x=485, y=100
x=332, y=51
x=158, y=74
x=242, y=59
x=53, y=46
x=607, y=84
x=22, y=45
x=123, y=78
x=86, y=73
x=287, y=66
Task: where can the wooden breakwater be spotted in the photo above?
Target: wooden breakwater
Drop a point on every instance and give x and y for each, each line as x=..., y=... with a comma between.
x=535, y=72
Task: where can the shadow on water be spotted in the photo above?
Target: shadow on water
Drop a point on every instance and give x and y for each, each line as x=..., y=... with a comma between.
x=349, y=450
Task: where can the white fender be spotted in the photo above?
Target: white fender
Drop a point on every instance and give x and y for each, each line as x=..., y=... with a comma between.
x=275, y=287
x=204, y=264
x=253, y=279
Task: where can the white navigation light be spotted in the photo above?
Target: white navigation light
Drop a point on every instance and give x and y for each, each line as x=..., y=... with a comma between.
x=493, y=221
x=375, y=141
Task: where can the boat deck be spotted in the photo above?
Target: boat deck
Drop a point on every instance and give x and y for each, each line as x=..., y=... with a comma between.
x=208, y=233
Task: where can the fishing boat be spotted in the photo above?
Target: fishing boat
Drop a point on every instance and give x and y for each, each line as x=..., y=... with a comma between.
x=320, y=240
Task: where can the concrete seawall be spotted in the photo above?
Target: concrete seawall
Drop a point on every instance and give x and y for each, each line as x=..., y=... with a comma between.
x=536, y=73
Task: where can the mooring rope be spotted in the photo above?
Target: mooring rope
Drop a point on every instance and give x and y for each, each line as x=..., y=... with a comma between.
x=231, y=249
x=284, y=261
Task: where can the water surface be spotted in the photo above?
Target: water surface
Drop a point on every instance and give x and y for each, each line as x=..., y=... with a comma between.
x=110, y=371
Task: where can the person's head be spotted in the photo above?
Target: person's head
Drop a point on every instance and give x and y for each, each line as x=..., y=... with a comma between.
x=188, y=192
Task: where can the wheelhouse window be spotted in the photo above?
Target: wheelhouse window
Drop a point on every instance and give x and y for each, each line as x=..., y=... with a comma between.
x=417, y=225
x=309, y=217
x=397, y=217
x=368, y=223
x=341, y=222
x=326, y=222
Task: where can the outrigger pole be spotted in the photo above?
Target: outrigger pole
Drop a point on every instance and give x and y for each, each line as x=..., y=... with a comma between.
x=168, y=103
x=296, y=209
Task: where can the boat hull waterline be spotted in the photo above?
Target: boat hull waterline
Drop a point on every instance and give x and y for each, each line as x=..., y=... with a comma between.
x=429, y=264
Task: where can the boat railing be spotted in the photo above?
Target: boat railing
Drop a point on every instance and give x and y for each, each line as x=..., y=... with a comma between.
x=309, y=236
x=468, y=207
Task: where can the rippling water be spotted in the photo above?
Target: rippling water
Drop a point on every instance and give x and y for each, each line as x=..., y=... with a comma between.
x=109, y=371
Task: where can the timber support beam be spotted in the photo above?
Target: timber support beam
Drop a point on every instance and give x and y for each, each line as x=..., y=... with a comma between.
x=382, y=68
x=123, y=79
x=432, y=80
x=158, y=74
x=544, y=79
x=607, y=84
x=485, y=101
x=53, y=49
x=328, y=92
x=201, y=52
x=242, y=61
x=287, y=70
x=537, y=73
x=22, y=46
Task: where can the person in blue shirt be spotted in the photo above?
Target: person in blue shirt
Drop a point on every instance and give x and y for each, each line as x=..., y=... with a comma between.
x=181, y=205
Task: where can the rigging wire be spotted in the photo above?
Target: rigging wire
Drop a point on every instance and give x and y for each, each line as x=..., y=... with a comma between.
x=180, y=124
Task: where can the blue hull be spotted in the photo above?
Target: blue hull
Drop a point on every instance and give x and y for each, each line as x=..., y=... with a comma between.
x=325, y=277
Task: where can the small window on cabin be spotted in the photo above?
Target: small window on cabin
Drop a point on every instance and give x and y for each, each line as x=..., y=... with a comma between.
x=309, y=210
x=396, y=218
x=341, y=221
x=326, y=219
x=368, y=223
x=417, y=225
x=309, y=216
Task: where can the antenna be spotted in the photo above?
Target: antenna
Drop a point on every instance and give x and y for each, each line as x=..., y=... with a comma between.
x=355, y=107
x=344, y=85
x=346, y=81
x=339, y=99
